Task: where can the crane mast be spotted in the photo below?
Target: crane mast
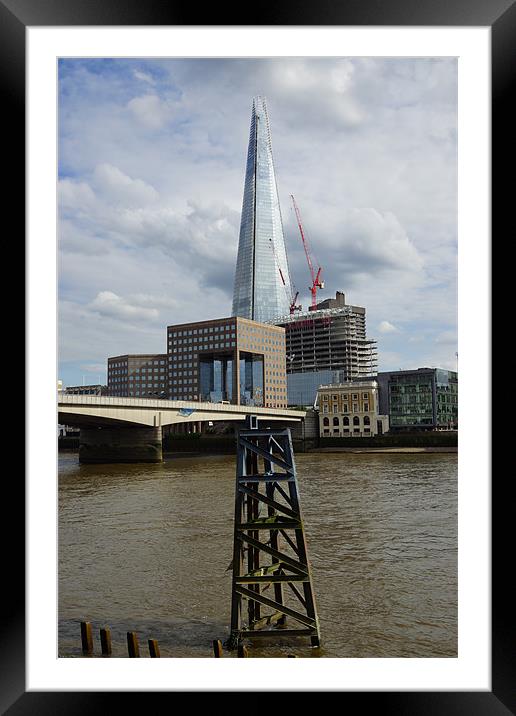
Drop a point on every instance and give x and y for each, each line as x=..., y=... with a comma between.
x=316, y=277
x=291, y=298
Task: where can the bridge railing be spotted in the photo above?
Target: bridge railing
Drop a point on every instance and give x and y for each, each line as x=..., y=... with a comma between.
x=163, y=404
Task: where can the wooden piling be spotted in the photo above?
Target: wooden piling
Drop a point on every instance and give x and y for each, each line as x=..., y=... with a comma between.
x=217, y=648
x=132, y=644
x=154, y=649
x=86, y=638
x=242, y=651
x=105, y=641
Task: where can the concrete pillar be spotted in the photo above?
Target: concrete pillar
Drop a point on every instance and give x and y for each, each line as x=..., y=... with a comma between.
x=131, y=444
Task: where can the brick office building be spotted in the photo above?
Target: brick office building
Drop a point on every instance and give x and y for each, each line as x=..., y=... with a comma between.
x=228, y=359
x=138, y=375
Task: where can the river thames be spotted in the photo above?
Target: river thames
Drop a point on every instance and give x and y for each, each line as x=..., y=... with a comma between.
x=146, y=548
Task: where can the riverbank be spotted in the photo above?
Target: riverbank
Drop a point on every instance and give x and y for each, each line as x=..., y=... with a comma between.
x=393, y=450
x=401, y=443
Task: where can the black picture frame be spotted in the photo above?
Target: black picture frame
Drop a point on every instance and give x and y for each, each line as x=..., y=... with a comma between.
x=500, y=16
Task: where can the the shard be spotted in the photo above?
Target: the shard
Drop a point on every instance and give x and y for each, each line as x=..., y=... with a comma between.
x=262, y=286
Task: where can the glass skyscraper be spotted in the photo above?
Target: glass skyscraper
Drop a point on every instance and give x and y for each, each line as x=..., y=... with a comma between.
x=262, y=278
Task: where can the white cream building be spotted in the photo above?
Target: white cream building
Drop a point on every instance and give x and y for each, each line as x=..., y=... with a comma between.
x=350, y=409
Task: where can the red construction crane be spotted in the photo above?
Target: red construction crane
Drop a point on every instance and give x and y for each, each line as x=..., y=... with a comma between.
x=316, y=277
x=291, y=298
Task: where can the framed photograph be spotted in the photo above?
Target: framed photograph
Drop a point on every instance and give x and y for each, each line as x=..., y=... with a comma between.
x=62, y=49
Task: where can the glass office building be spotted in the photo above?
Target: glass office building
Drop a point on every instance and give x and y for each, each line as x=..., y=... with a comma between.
x=426, y=398
x=262, y=279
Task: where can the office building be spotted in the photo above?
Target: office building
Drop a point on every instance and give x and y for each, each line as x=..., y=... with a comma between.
x=138, y=375
x=232, y=360
x=262, y=279
x=421, y=399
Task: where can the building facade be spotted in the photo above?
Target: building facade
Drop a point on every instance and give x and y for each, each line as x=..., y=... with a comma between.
x=138, y=375
x=86, y=390
x=262, y=284
x=330, y=340
x=350, y=410
x=421, y=399
x=232, y=360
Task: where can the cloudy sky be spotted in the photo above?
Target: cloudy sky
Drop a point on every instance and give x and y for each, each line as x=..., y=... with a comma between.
x=151, y=172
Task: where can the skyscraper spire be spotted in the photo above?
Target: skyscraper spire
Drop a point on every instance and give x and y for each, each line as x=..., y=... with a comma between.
x=262, y=278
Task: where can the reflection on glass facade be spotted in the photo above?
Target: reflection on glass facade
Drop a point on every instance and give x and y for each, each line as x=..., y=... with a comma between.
x=424, y=398
x=259, y=291
x=251, y=379
x=216, y=378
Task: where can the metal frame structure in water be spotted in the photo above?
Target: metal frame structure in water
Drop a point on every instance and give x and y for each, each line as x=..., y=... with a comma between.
x=266, y=480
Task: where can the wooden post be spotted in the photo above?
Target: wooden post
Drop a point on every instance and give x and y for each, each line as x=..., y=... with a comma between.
x=242, y=652
x=132, y=644
x=105, y=641
x=86, y=638
x=154, y=649
x=217, y=648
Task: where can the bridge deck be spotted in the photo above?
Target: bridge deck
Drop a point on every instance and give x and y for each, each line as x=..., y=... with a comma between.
x=74, y=409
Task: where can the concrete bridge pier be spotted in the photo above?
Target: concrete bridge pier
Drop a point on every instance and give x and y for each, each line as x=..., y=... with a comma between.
x=127, y=444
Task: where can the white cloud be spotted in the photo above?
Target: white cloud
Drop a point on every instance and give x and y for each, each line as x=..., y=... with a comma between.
x=115, y=187
x=144, y=77
x=109, y=304
x=387, y=327
x=149, y=110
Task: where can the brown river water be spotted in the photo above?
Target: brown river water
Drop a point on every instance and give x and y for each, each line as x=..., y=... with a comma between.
x=146, y=548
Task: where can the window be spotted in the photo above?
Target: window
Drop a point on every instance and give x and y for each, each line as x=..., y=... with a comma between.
x=326, y=421
x=366, y=406
x=367, y=420
x=356, y=420
x=335, y=421
x=345, y=421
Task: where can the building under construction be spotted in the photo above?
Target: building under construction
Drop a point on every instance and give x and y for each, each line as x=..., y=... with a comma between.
x=325, y=344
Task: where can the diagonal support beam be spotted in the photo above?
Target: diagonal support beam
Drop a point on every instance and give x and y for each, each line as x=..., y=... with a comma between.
x=303, y=618
x=269, y=501
x=280, y=556
x=270, y=457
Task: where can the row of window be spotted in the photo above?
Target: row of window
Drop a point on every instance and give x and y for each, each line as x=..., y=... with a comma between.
x=209, y=346
x=346, y=431
x=123, y=364
x=208, y=329
x=200, y=339
x=345, y=408
x=345, y=396
x=345, y=421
